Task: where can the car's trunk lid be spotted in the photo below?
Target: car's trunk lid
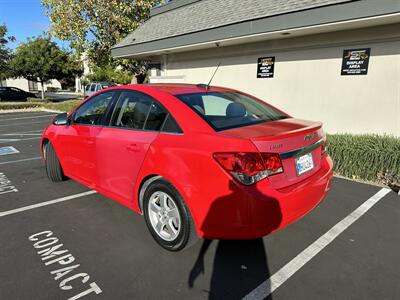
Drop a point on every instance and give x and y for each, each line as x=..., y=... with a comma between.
x=291, y=138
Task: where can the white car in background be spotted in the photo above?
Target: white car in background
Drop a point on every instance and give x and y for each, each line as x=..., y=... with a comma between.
x=94, y=87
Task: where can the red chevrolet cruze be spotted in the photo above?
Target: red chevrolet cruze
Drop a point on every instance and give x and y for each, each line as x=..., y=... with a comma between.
x=194, y=160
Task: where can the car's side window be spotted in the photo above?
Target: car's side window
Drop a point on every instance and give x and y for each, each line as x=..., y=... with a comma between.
x=132, y=110
x=156, y=117
x=170, y=125
x=88, y=87
x=98, y=87
x=136, y=110
x=92, y=87
x=92, y=111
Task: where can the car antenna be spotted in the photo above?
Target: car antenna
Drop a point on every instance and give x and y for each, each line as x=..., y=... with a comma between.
x=212, y=77
x=207, y=86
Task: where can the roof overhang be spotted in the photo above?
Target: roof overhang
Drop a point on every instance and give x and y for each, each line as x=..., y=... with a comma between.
x=351, y=15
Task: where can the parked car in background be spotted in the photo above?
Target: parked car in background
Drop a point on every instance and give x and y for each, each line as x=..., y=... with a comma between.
x=94, y=87
x=194, y=160
x=8, y=93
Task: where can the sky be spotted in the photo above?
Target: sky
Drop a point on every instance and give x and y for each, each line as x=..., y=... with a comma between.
x=24, y=18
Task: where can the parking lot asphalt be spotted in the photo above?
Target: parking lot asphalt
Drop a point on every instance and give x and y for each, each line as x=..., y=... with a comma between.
x=347, y=248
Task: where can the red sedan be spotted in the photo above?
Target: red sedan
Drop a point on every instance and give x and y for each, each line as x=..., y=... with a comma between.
x=196, y=161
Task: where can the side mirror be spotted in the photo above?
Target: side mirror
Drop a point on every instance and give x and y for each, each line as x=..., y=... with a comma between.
x=61, y=119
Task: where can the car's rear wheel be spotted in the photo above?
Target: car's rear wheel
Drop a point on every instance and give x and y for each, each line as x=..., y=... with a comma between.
x=53, y=167
x=168, y=217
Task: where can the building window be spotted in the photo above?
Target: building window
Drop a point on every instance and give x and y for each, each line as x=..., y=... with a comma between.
x=33, y=86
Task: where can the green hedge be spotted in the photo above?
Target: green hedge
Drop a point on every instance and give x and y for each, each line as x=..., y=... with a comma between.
x=19, y=105
x=368, y=157
x=64, y=106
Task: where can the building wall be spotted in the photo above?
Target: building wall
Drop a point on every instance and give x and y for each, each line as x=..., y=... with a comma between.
x=307, y=81
x=23, y=84
x=20, y=83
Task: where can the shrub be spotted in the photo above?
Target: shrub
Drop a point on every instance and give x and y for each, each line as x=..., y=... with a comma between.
x=52, y=89
x=18, y=105
x=64, y=106
x=368, y=157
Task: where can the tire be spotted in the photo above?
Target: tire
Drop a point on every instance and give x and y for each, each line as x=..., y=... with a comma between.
x=175, y=234
x=53, y=167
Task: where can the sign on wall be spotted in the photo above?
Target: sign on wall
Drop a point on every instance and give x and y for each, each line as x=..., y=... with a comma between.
x=265, y=67
x=355, y=61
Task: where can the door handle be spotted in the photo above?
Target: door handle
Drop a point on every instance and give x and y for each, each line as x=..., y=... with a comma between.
x=133, y=148
x=89, y=141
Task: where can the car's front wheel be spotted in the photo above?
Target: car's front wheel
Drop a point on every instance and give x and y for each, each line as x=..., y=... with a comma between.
x=53, y=167
x=168, y=217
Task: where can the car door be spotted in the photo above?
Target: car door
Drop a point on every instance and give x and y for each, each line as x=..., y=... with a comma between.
x=92, y=89
x=3, y=94
x=10, y=95
x=18, y=94
x=122, y=147
x=79, y=138
x=87, y=89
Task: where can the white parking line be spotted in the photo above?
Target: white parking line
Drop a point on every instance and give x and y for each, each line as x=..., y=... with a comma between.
x=19, y=160
x=279, y=278
x=21, y=124
x=23, y=132
x=19, y=140
x=33, y=206
x=33, y=117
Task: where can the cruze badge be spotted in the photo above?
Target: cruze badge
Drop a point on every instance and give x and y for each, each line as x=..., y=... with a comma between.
x=276, y=146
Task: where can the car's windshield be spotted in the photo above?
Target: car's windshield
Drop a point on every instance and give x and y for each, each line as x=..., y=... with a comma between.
x=225, y=110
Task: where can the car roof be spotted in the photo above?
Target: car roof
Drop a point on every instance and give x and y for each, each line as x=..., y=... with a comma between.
x=101, y=82
x=183, y=88
x=9, y=88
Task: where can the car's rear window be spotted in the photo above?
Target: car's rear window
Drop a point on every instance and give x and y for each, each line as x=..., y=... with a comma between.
x=225, y=110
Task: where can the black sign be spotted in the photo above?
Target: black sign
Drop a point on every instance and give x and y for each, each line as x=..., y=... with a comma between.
x=265, y=67
x=355, y=61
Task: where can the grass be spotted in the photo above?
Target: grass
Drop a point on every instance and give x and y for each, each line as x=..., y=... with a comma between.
x=64, y=106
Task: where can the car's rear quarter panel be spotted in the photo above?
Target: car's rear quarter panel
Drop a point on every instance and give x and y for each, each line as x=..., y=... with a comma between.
x=187, y=162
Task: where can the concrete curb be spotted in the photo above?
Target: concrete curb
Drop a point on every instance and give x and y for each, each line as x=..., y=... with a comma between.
x=22, y=110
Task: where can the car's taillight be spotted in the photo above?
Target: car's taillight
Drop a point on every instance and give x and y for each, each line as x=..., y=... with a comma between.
x=249, y=167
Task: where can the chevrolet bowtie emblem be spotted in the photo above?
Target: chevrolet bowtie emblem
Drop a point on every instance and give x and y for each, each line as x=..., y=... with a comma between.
x=309, y=136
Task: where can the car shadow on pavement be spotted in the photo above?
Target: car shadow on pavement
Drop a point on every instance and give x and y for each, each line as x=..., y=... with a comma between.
x=239, y=266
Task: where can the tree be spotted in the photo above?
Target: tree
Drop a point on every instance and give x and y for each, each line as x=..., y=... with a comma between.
x=110, y=73
x=41, y=60
x=72, y=68
x=95, y=26
x=5, y=52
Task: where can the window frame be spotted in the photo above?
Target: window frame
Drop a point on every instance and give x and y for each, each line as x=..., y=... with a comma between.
x=106, y=116
x=153, y=100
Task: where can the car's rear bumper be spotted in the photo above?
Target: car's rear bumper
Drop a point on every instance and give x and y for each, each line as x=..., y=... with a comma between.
x=261, y=209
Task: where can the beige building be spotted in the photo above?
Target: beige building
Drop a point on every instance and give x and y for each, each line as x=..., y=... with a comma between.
x=330, y=60
x=28, y=85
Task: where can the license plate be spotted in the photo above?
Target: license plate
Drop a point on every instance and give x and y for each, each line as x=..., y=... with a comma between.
x=304, y=163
